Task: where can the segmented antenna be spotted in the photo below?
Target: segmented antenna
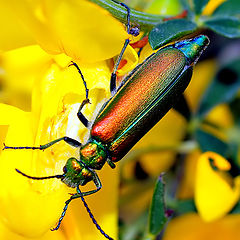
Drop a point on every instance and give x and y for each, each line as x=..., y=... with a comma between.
x=93, y=218
x=39, y=178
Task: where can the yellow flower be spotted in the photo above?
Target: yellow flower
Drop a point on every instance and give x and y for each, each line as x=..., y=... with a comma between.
x=211, y=6
x=192, y=227
x=89, y=35
x=216, y=193
x=80, y=29
x=30, y=207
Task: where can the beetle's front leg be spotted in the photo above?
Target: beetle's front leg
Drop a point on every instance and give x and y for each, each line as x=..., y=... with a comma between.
x=97, y=183
x=79, y=194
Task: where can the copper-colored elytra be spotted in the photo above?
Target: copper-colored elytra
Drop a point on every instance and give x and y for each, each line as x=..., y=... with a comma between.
x=136, y=96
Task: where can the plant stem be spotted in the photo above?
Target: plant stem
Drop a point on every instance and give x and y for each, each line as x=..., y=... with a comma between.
x=146, y=21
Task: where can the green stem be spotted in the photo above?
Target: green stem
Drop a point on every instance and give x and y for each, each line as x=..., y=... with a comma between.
x=146, y=21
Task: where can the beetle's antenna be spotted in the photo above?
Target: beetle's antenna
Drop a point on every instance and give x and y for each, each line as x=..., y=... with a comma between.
x=39, y=178
x=84, y=82
x=93, y=218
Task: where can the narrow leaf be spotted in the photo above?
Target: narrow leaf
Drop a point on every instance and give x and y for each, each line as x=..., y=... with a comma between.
x=157, y=217
x=209, y=142
x=226, y=26
x=185, y=206
x=171, y=30
x=199, y=5
x=228, y=8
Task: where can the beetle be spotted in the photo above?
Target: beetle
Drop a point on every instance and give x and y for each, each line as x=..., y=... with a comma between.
x=142, y=99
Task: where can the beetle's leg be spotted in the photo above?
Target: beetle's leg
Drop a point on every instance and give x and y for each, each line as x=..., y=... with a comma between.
x=68, y=140
x=79, y=194
x=111, y=163
x=84, y=82
x=81, y=117
x=113, y=75
x=64, y=210
x=97, y=183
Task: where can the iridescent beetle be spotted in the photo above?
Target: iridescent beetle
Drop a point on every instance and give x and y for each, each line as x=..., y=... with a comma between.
x=143, y=98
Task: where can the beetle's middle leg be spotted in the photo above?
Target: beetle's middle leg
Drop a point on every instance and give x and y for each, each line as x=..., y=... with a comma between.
x=81, y=117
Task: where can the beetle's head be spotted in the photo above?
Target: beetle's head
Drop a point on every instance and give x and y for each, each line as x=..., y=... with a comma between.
x=75, y=173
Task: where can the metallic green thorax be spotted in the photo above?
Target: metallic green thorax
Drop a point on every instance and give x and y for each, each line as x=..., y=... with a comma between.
x=76, y=173
x=193, y=48
x=92, y=156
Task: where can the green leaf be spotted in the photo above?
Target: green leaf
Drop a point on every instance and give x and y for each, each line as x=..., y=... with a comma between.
x=157, y=217
x=222, y=89
x=226, y=26
x=235, y=110
x=185, y=206
x=199, y=5
x=171, y=30
x=236, y=209
x=228, y=8
x=208, y=142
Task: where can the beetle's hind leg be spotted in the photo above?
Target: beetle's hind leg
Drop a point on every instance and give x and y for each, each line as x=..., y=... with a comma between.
x=81, y=117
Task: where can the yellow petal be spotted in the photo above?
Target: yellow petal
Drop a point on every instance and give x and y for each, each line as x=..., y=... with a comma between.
x=13, y=33
x=30, y=15
x=57, y=96
x=21, y=69
x=131, y=57
x=211, y=6
x=7, y=234
x=214, y=195
x=167, y=133
x=216, y=116
x=202, y=75
x=9, y=114
x=192, y=227
x=26, y=209
x=186, y=187
x=71, y=27
x=85, y=31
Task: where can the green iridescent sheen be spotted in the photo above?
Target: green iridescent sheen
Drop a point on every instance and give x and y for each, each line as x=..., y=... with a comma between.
x=193, y=48
x=147, y=94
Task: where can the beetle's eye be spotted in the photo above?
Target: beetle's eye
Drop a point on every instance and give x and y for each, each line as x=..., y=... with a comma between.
x=64, y=169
